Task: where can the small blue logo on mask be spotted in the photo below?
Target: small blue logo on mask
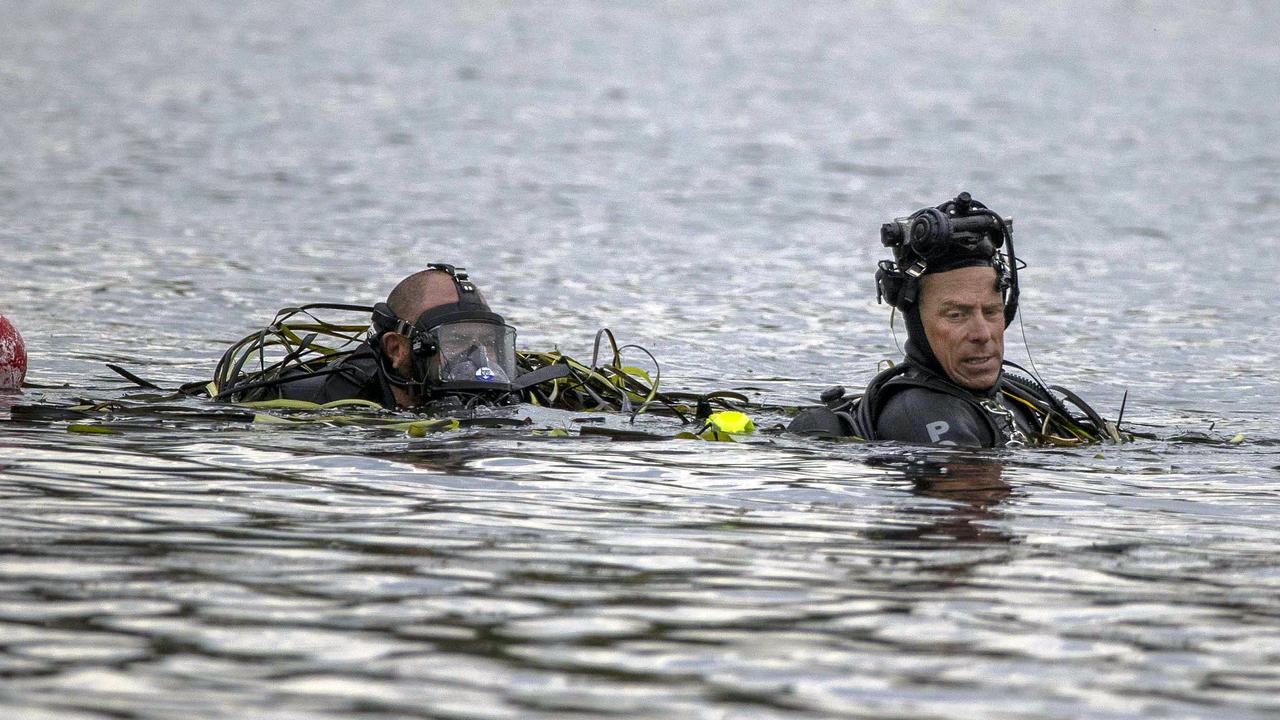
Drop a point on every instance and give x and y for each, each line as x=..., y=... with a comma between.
x=485, y=374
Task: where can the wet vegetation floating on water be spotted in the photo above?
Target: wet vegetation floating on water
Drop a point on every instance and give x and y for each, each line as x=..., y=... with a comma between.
x=300, y=339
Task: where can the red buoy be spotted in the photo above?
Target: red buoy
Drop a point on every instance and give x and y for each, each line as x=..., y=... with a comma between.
x=13, y=356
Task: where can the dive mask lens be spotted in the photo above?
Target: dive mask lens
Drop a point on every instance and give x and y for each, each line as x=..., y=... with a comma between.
x=475, y=352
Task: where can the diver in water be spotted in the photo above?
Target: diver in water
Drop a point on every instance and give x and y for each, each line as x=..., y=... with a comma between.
x=954, y=278
x=434, y=342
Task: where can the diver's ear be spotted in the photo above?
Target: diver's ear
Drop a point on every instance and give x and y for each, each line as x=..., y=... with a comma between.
x=396, y=347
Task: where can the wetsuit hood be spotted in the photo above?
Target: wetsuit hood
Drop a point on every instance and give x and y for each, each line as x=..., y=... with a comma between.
x=918, y=350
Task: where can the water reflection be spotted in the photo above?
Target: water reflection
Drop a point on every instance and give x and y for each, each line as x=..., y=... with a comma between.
x=971, y=486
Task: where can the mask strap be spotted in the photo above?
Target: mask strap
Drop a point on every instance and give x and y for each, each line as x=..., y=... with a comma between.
x=468, y=294
x=385, y=320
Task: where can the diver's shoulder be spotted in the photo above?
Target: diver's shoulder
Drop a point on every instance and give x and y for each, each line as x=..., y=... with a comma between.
x=918, y=414
x=920, y=398
x=355, y=376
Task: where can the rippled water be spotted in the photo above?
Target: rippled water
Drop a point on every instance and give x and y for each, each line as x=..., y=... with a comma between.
x=708, y=181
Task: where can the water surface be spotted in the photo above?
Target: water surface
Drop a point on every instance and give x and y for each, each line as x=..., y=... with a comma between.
x=707, y=181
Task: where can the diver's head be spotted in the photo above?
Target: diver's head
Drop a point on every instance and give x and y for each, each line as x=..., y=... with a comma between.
x=454, y=346
x=954, y=278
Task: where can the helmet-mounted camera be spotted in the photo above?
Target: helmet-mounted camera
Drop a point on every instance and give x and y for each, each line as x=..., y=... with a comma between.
x=955, y=234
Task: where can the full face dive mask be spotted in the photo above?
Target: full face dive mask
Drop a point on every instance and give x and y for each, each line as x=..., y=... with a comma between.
x=459, y=348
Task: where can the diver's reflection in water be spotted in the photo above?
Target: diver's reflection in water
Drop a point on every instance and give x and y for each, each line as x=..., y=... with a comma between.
x=973, y=486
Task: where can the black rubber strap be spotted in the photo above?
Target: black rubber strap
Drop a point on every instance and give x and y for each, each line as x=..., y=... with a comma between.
x=541, y=375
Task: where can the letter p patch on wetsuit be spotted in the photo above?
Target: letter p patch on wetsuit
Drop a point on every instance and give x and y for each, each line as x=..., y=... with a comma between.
x=927, y=417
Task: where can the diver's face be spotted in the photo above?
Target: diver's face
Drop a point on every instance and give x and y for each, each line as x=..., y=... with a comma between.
x=963, y=317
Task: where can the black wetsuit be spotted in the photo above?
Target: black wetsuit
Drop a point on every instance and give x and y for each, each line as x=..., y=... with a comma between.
x=357, y=376
x=912, y=404
x=353, y=377
x=920, y=407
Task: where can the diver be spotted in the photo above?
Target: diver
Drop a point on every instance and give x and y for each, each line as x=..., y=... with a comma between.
x=954, y=278
x=433, y=343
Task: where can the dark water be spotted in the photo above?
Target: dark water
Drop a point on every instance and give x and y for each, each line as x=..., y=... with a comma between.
x=708, y=181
